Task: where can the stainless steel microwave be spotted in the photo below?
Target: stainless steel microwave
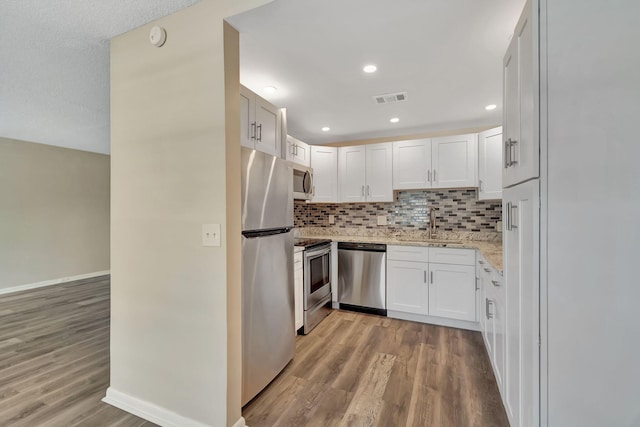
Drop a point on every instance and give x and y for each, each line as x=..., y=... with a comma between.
x=302, y=182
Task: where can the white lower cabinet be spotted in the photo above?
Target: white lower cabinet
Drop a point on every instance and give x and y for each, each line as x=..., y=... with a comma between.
x=432, y=292
x=492, y=317
x=452, y=291
x=298, y=289
x=407, y=288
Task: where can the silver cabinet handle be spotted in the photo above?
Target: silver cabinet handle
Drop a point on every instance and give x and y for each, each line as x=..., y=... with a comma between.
x=363, y=191
x=429, y=175
x=425, y=276
x=512, y=144
x=259, y=138
x=486, y=270
x=435, y=176
x=295, y=147
x=431, y=277
x=313, y=190
x=480, y=184
x=488, y=302
x=495, y=283
x=368, y=190
x=507, y=211
x=507, y=153
x=477, y=283
x=253, y=130
x=480, y=262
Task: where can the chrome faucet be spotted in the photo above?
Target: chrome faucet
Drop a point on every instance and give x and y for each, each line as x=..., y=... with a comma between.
x=432, y=222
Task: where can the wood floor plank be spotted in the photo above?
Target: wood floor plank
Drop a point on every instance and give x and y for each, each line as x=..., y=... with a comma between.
x=362, y=370
x=54, y=357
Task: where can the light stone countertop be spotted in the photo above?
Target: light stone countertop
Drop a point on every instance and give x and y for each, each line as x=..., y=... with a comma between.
x=490, y=249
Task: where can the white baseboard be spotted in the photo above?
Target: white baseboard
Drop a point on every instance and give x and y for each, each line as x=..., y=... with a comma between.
x=150, y=412
x=28, y=286
x=240, y=423
x=434, y=320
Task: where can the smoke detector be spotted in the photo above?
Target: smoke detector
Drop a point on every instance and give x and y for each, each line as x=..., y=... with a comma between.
x=390, y=98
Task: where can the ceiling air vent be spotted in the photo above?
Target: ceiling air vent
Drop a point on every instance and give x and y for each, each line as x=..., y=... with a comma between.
x=389, y=98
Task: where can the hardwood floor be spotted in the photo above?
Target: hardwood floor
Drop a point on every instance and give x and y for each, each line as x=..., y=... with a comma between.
x=54, y=357
x=362, y=370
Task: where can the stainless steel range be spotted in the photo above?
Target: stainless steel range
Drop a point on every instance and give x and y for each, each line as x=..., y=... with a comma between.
x=317, y=281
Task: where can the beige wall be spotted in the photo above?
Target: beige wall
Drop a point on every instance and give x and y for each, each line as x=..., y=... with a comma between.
x=54, y=213
x=175, y=304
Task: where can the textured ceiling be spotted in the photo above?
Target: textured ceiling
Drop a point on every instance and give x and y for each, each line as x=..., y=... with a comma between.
x=54, y=66
x=447, y=54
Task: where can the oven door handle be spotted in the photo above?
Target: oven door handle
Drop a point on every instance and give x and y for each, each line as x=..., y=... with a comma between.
x=317, y=252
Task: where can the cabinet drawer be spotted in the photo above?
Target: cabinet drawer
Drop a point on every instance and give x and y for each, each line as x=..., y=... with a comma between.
x=408, y=253
x=452, y=256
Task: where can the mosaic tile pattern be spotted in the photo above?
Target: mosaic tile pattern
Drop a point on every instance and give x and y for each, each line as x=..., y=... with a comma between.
x=457, y=210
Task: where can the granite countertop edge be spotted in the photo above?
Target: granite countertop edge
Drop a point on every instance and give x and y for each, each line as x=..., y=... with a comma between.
x=491, y=250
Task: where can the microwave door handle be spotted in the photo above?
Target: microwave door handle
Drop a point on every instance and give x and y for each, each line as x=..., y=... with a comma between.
x=304, y=182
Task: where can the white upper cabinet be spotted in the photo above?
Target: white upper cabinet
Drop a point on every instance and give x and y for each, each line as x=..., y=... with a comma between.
x=324, y=162
x=298, y=151
x=446, y=162
x=453, y=161
x=521, y=143
x=379, y=173
x=365, y=173
x=260, y=123
x=490, y=164
x=352, y=173
x=412, y=164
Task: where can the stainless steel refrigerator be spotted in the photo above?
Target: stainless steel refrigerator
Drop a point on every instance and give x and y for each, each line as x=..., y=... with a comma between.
x=268, y=338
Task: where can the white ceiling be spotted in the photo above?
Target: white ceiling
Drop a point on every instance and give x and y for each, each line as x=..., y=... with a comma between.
x=447, y=54
x=54, y=66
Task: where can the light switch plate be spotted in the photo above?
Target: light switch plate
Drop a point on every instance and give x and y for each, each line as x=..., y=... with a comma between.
x=210, y=234
x=332, y=219
x=382, y=220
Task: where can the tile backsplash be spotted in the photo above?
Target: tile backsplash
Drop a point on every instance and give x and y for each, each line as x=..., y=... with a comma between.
x=457, y=210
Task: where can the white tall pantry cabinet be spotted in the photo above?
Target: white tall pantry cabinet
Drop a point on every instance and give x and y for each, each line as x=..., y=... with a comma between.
x=590, y=196
x=571, y=99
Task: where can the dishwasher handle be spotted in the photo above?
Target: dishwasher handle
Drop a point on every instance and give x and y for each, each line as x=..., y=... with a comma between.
x=370, y=247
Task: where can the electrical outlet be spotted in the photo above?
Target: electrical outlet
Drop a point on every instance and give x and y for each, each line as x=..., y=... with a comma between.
x=210, y=234
x=499, y=225
x=332, y=219
x=382, y=219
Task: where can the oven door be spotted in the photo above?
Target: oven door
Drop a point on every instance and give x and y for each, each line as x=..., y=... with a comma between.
x=317, y=275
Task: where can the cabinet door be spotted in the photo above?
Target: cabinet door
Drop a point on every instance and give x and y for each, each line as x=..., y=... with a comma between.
x=324, y=161
x=499, y=341
x=247, y=118
x=267, y=128
x=412, y=164
x=490, y=164
x=298, y=151
x=520, y=79
x=452, y=291
x=298, y=292
x=453, y=159
x=379, y=172
x=351, y=173
x=407, y=289
x=521, y=263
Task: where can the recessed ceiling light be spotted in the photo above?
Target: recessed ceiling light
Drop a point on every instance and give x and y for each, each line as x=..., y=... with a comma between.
x=270, y=89
x=394, y=120
x=326, y=129
x=490, y=107
x=370, y=68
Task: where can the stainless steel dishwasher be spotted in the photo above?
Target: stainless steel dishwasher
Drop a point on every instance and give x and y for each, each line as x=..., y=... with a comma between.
x=362, y=278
